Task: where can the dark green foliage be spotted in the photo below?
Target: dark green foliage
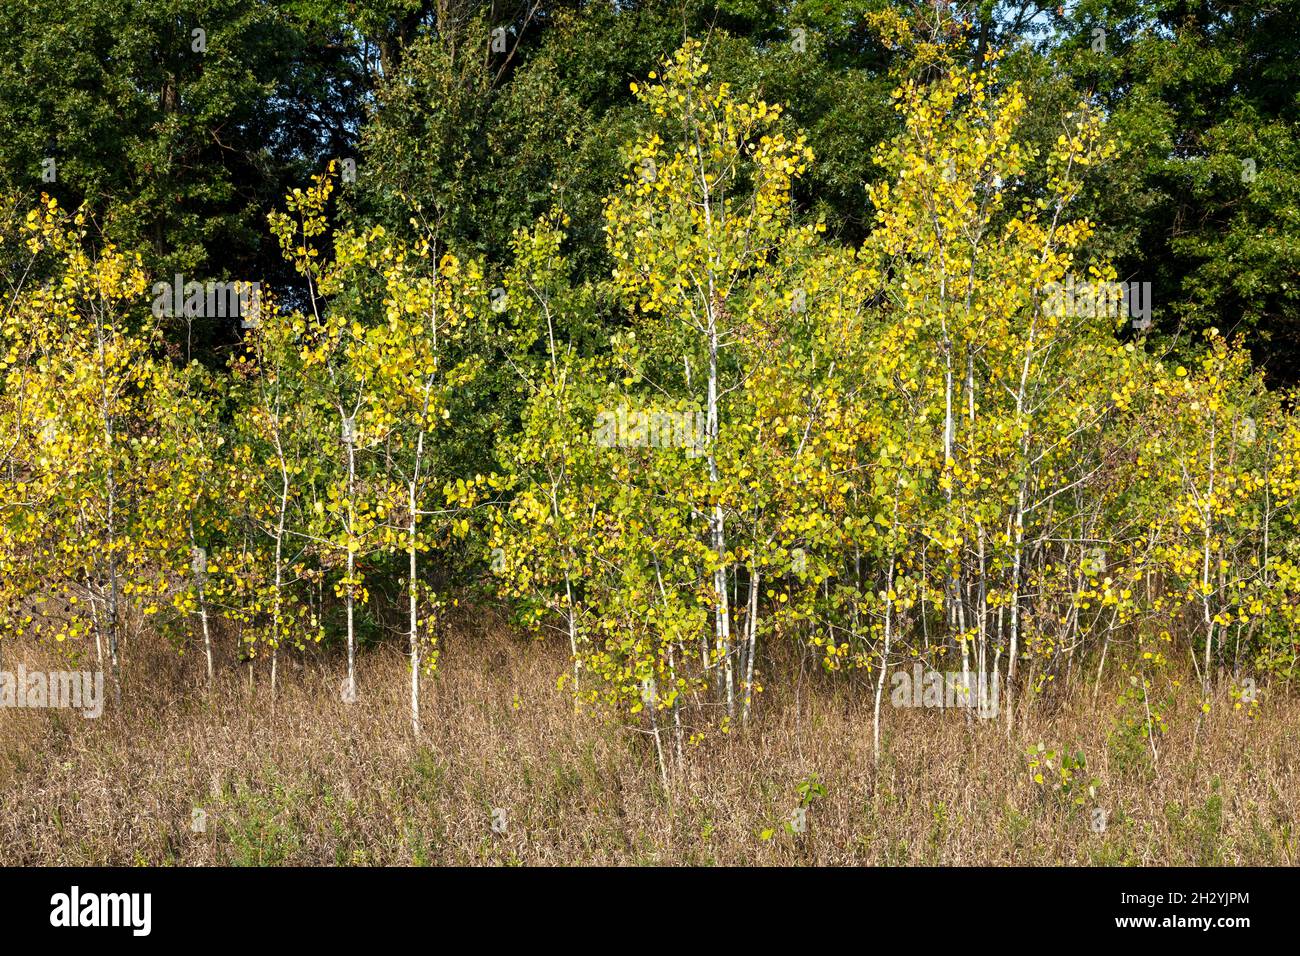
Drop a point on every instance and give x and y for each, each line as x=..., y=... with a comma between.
x=180, y=153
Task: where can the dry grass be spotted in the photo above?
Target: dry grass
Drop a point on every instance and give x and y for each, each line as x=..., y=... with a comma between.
x=321, y=782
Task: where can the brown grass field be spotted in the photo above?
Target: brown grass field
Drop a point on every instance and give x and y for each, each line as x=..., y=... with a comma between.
x=319, y=782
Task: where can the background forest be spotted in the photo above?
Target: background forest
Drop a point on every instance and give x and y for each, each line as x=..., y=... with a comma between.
x=762, y=361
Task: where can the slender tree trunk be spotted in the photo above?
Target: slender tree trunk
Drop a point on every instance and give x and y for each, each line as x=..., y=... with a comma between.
x=351, y=569
x=110, y=544
x=207, y=634
x=99, y=631
x=659, y=748
x=1014, y=651
x=752, y=624
x=413, y=608
x=884, y=660
x=1205, y=567
x=198, y=574
x=573, y=627
x=277, y=611
x=677, y=706
x=1018, y=518
x=953, y=586
x=722, y=613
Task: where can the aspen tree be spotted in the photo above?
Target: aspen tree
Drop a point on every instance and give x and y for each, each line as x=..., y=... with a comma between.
x=331, y=351
x=705, y=203
x=93, y=539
